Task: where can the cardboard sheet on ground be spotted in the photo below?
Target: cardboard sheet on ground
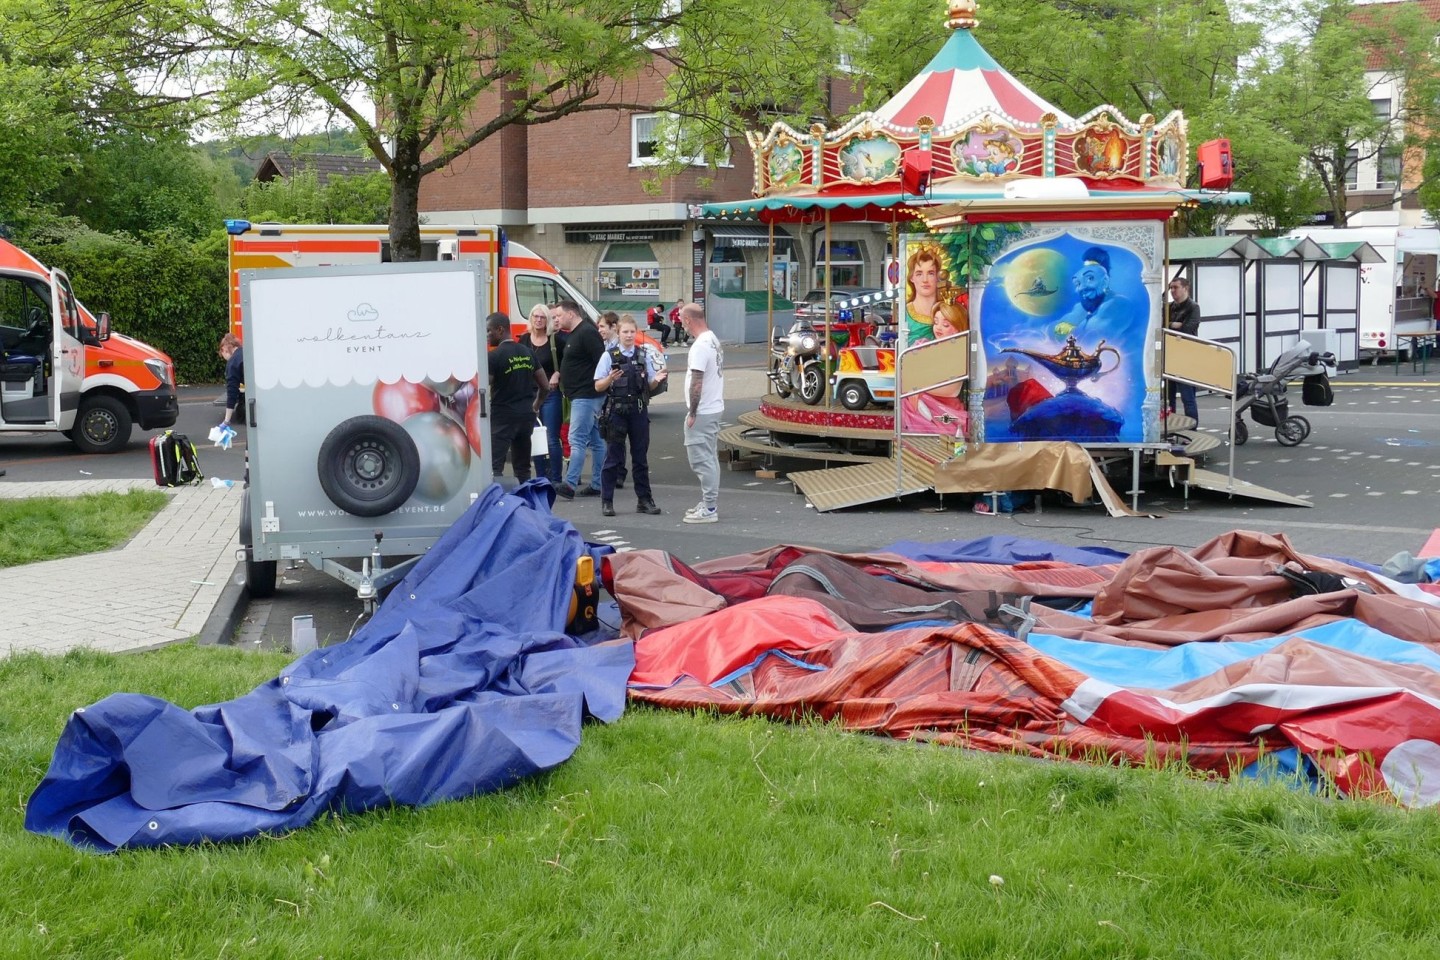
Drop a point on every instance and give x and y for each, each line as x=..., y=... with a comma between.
x=1032, y=465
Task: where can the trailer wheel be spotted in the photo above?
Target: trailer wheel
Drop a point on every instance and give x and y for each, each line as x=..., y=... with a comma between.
x=1239, y=433
x=368, y=466
x=259, y=574
x=102, y=425
x=1291, y=431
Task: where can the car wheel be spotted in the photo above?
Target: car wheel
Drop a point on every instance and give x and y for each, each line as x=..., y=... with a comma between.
x=368, y=466
x=853, y=395
x=102, y=424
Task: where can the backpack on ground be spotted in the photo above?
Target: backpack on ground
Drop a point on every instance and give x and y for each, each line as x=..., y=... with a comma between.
x=1315, y=391
x=175, y=460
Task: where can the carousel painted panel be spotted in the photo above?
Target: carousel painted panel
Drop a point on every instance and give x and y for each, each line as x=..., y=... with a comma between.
x=863, y=159
x=1067, y=319
x=787, y=166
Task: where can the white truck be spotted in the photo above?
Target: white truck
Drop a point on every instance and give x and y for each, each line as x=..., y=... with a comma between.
x=367, y=413
x=1393, y=296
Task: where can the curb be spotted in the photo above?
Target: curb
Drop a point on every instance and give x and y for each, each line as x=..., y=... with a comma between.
x=220, y=626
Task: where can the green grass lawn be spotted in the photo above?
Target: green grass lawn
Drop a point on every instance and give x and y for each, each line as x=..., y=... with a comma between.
x=48, y=528
x=675, y=835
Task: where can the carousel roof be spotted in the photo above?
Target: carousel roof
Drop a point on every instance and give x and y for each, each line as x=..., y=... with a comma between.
x=966, y=133
x=963, y=82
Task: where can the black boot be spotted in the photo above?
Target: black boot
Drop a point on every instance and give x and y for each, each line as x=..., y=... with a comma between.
x=648, y=506
x=607, y=508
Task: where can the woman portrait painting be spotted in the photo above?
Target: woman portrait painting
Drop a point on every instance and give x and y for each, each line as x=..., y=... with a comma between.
x=922, y=288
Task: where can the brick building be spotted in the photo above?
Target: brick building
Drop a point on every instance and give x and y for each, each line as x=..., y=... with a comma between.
x=574, y=191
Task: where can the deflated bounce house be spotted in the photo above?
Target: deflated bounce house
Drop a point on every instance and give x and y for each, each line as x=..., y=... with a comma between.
x=1240, y=656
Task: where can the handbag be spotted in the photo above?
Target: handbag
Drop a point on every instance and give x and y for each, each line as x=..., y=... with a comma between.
x=539, y=439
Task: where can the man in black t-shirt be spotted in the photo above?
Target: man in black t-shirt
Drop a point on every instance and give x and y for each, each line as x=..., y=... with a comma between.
x=517, y=390
x=582, y=351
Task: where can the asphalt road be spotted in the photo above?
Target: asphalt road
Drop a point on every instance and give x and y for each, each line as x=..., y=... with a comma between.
x=1371, y=467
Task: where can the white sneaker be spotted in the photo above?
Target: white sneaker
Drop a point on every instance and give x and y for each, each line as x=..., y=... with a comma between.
x=698, y=508
x=703, y=515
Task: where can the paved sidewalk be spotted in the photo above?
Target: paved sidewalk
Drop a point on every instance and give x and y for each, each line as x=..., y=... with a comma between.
x=159, y=588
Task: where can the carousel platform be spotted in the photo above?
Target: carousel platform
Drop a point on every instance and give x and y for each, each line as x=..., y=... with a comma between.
x=860, y=467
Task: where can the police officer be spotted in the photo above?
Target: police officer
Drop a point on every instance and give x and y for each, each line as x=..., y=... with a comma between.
x=627, y=377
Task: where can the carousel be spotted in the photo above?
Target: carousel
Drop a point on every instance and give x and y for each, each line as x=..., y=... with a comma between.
x=1027, y=278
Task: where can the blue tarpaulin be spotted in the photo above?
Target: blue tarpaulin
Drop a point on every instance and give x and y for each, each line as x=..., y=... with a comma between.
x=462, y=682
x=1002, y=549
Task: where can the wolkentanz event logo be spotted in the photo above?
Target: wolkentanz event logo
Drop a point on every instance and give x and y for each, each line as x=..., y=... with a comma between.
x=363, y=340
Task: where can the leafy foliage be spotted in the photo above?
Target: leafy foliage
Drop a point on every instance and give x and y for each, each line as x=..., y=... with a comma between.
x=301, y=199
x=166, y=291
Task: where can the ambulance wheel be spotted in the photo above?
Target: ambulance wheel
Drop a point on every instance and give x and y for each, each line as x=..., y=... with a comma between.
x=102, y=425
x=368, y=466
x=853, y=395
x=1239, y=433
x=1291, y=431
x=259, y=574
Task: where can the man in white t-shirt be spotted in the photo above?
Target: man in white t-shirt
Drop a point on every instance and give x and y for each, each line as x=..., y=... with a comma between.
x=704, y=404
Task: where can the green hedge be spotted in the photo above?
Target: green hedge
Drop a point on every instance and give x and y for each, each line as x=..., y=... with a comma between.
x=168, y=292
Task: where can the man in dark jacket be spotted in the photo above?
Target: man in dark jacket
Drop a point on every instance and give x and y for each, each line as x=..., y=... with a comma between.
x=582, y=352
x=1184, y=318
x=517, y=390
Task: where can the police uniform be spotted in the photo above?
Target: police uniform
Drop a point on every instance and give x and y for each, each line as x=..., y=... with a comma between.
x=626, y=421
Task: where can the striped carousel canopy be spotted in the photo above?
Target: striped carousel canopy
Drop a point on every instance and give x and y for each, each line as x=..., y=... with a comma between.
x=963, y=82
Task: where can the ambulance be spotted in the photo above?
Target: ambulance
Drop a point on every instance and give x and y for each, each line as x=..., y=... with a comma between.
x=520, y=278
x=63, y=370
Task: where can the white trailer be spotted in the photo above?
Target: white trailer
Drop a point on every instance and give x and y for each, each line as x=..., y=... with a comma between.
x=366, y=406
x=1393, y=292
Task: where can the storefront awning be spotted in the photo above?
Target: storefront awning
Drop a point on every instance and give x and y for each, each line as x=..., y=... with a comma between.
x=749, y=236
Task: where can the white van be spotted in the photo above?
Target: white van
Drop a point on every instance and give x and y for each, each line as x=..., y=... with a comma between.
x=1392, y=293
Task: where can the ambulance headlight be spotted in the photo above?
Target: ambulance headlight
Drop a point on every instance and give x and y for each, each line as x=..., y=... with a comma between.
x=161, y=370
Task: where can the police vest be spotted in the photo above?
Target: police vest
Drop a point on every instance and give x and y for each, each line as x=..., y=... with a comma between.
x=629, y=392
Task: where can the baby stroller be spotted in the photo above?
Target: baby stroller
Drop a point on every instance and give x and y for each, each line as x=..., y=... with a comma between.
x=1264, y=394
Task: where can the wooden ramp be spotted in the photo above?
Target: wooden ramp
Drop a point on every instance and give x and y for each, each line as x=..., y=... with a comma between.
x=851, y=486
x=1219, y=483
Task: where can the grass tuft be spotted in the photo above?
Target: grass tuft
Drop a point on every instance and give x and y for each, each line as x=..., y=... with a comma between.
x=49, y=528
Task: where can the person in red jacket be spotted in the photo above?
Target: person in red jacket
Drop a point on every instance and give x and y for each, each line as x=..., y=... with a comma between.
x=681, y=335
x=655, y=320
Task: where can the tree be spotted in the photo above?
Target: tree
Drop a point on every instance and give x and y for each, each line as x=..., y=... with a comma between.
x=445, y=75
x=1315, y=91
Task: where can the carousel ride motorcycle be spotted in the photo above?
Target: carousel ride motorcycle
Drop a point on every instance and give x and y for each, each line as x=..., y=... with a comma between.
x=798, y=362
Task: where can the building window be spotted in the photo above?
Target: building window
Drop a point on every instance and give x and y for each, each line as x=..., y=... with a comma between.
x=727, y=270
x=847, y=263
x=644, y=139
x=1352, y=169
x=1390, y=166
x=628, y=270
x=647, y=133
x=1381, y=108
